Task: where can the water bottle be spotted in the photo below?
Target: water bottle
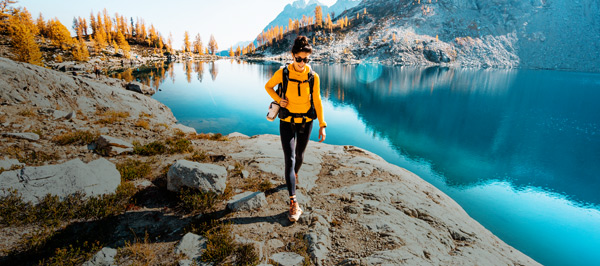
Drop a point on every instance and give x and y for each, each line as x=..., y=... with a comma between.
x=273, y=111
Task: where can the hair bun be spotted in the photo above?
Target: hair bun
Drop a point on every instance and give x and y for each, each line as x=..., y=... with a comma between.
x=301, y=45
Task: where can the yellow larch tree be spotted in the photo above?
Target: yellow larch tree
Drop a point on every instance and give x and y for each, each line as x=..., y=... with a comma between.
x=22, y=39
x=122, y=42
x=231, y=53
x=212, y=45
x=319, y=16
x=186, y=42
x=198, y=44
x=59, y=34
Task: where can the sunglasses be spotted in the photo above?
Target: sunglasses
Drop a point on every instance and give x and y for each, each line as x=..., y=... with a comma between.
x=300, y=59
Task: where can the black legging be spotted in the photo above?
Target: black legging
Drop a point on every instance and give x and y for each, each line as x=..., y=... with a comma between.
x=293, y=140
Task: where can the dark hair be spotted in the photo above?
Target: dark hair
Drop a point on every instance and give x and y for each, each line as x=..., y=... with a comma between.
x=301, y=45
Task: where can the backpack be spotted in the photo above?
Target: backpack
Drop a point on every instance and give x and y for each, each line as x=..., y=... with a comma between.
x=282, y=89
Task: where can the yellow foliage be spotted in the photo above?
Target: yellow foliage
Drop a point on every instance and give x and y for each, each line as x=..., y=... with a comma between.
x=22, y=39
x=80, y=51
x=59, y=34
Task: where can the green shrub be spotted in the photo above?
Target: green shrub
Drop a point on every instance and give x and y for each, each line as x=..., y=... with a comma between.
x=179, y=145
x=150, y=149
x=76, y=138
x=51, y=211
x=72, y=255
x=133, y=169
x=245, y=254
x=219, y=244
x=196, y=201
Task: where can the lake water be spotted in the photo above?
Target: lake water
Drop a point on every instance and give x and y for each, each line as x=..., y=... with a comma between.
x=519, y=150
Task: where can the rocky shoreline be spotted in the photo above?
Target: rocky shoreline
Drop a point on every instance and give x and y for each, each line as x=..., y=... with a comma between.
x=359, y=209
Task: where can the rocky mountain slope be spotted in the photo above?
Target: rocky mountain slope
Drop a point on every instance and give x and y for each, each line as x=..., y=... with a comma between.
x=299, y=8
x=359, y=209
x=546, y=34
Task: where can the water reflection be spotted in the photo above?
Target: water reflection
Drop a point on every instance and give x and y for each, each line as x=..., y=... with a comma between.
x=517, y=149
x=476, y=125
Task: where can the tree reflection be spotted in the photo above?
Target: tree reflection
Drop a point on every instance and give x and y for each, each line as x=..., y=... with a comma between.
x=199, y=69
x=214, y=70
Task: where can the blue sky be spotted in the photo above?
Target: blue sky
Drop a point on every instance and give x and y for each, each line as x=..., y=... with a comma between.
x=230, y=21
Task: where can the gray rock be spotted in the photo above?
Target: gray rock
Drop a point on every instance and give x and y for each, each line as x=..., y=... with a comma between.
x=287, y=259
x=113, y=146
x=191, y=245
x=237, y=135
x=28, y=136
x=203, y=176
x=33, y=183
x=9, y=163
x=318, y=240
x=104, y=257
x=245, y=174
x=247, y=201
x=139, y=88
x=185, y=129
x=275, y=244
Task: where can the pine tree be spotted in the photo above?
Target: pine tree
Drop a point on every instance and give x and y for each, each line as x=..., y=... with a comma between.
x=41, y=25
x=123, y=44
x=238, y=51
x=22, y=40
x=212, y=45
x=80, y=51
x=231, y=54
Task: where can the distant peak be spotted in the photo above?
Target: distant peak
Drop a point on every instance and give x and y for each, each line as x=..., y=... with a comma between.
x=299, y=4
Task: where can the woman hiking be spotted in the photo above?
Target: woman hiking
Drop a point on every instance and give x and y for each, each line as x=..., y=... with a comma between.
x=297, y=113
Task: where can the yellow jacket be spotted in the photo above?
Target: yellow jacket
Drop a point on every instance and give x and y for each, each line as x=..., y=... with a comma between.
x=298, y=103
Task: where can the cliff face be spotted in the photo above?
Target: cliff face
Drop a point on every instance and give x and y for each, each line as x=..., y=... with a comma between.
x=359, y=209
x=547, y=34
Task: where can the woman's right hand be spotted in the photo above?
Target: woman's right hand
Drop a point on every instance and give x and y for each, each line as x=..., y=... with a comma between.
x=283, y=103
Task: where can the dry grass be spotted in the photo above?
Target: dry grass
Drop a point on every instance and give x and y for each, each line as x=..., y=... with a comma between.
x=142, y=123
x=26, y=112
x=137, y=253
x=217, y=137
x=145, y=115
x=72, y=255
x=199, y=156
x=29, y=157
x=76, y=138
x=256, y=184
x=111, y=117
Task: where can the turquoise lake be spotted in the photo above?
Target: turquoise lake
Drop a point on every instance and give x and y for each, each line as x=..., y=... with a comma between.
x=519, y=150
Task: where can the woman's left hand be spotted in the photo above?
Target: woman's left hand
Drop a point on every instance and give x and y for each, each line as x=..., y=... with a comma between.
x=321, y=134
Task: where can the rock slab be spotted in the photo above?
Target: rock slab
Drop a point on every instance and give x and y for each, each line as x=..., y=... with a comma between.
x=33, y=183
x=27, y=135
x=202, y=176
x=287, y=259
x=247, y=201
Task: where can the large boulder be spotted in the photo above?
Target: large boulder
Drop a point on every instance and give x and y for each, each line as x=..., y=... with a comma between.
x=185, y=129
x=112, y=146
x=33, y=183
x=202, y=176
x=247, y=201
x=191, y=245
x=139, y=88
